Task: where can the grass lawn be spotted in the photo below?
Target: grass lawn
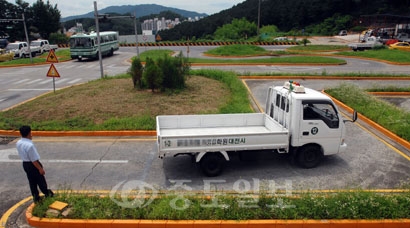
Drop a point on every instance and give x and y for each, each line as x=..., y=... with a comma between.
x=113, y=104
x=396, y=56
x=222, y=206
x=62, y=55
x=318, y=48
x=238, y=50
x=154, y=54
x=395, y=119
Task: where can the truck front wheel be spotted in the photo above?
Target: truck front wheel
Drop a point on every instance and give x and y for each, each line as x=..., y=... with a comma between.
x=309, y=156
x=212, y=164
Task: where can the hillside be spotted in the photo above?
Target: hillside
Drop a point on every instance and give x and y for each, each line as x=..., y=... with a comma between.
x=291, y=15
x=141, y=11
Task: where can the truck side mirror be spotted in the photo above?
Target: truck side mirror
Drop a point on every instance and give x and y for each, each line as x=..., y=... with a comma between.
x=354, y=117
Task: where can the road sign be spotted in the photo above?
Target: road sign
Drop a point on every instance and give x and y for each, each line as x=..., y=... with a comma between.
x=52, y=72
x=52, y=58
x=158, y=38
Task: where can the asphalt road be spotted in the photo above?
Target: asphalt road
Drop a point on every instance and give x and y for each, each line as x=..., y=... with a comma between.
x=18, y=84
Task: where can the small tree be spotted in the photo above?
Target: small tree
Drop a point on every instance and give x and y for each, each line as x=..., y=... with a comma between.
x=174, y=71
x=152, y=75
x=136, y=71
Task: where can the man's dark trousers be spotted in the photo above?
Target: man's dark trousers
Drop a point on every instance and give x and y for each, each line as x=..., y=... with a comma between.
x=36, y=179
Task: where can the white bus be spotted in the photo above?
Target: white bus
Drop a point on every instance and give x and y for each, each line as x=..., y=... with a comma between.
x=86, y=45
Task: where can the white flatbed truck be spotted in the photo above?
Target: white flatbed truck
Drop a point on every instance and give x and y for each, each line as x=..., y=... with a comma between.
x=297, y=120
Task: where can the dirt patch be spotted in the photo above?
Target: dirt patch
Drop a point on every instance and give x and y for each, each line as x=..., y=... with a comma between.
x=101, y=100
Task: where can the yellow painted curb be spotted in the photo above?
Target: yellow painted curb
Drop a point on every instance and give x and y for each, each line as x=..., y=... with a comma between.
x=112, y=223
x=376, y=126
x=390, y=93
x=3, y=220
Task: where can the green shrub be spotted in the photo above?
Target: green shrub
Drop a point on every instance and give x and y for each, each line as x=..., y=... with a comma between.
x=136, y=71
x=174, y=71
x=152, y=75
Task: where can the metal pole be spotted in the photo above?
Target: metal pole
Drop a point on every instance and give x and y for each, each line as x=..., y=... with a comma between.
x=27, y=39
x=98, y=39
x=136, y=33
x=259, y=16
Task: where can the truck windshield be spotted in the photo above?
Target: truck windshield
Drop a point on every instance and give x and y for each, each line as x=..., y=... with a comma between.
x=319, y=110
x=80, y=42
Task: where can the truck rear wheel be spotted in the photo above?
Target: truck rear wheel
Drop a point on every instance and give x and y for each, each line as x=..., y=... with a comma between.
x=309, y=156
x=212, y=164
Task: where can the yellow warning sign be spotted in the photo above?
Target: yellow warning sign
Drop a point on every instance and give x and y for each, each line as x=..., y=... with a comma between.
x=52, y=72
x=158, y=38
x=52, y=58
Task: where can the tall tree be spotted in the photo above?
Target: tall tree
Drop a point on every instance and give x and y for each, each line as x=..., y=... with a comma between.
x=46, y=18
x=11, y=30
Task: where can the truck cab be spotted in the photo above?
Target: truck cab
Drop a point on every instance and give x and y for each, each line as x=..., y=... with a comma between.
x=316, y=127
x=20, y=49
x=42, y=46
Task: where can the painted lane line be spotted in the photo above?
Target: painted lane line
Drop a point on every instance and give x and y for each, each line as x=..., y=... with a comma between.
x=21, y=81
x=58, y=81
x=74, y=81
x=5, y=158
x=34, y=81
x=30, y=89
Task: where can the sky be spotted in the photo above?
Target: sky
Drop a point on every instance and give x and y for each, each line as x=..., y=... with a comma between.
x=79, y=7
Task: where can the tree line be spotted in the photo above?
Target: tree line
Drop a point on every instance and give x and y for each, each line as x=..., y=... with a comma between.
x=319, y=17
x=42, y=19
x=296, y=15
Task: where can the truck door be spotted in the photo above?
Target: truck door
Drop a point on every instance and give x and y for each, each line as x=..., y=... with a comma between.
x=321, y=124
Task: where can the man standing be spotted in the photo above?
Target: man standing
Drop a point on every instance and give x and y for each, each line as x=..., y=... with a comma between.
x=31, y=164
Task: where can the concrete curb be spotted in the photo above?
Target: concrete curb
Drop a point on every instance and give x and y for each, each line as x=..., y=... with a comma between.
x=111, y=223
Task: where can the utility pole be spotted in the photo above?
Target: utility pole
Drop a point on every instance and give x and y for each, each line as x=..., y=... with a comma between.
x=136, y=33
x=25, y=31
x=259, y=16
x=28, y=40
x=98, y=39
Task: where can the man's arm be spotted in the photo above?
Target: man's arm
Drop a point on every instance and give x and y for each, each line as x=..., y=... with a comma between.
x=38, y=166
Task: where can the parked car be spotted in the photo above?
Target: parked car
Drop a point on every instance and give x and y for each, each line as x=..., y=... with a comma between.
x=404, y=46
x=403, y=37
x=391, y=41
x=3, y=43
x=280, y=39
x=369, y=43
x=343, y=33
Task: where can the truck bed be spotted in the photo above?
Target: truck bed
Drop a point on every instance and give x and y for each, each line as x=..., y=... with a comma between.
x=220, y=132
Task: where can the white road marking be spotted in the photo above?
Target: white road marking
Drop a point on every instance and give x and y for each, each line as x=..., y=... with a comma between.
x=34, y=81
x=58, y=81
x=30, y=89
x=47, y=81
x=74, y=81
x=21, y=81
x=5, y=158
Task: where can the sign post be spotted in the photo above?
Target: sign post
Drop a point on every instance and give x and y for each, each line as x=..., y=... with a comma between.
x=52, y=72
